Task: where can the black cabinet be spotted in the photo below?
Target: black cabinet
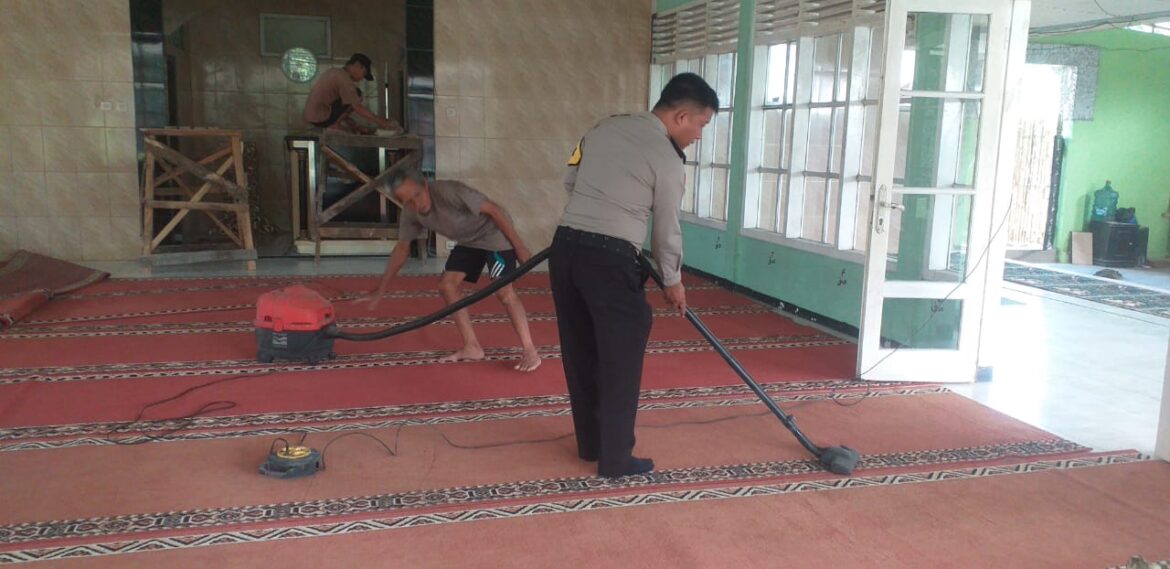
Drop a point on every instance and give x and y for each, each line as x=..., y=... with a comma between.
x=1119, y=244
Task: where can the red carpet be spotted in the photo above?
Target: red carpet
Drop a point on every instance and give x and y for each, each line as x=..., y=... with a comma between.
x=483, y=456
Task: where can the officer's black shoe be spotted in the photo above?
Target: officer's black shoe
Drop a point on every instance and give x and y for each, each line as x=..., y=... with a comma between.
x=633, y=466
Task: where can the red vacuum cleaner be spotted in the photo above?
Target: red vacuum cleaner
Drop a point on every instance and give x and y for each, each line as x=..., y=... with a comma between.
x=298, y=324
x=294, y=323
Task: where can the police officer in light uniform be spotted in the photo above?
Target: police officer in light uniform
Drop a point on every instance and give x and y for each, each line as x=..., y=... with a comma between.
x=623, y=170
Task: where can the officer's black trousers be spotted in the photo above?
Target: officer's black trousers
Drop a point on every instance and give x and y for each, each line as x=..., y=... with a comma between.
x=604, y=321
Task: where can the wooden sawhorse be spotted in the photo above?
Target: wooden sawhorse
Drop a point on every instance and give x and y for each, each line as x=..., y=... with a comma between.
x=407, y=152
x=165, y=164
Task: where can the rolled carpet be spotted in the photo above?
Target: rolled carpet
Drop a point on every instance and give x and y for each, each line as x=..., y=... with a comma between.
x=15, y=308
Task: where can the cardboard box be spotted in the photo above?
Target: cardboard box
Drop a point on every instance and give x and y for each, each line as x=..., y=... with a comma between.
x=1082, y=248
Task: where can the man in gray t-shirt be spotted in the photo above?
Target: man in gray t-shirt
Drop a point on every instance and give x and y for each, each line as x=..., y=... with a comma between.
x=485, y=237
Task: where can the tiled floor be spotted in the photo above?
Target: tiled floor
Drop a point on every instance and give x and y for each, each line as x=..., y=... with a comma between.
x=1082, y=370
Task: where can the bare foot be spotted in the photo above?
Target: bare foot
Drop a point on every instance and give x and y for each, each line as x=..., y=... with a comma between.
x=468, y=353
x=529, y=361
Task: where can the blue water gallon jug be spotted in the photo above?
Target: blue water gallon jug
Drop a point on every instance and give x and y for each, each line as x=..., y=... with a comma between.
x=1104, y=203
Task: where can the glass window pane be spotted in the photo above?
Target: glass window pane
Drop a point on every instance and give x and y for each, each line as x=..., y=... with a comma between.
x=703, y=195
x=719, y=193
x=931, y=237
x=838, y=139
x=921, y=323
x=706, y=143
x=869, y=141
x=825, y=67
x=939, y=138
x=773, y=135
x=946, y=52
x=877, y=56
x=843, y=73
x=814, y=209
x=722, y=137
x=901, y=149
x=782, y=203
x=769, y=193
x=820, y=124
x=688, y=201
x=777, y=72
x=724, y=85
x=832, y=211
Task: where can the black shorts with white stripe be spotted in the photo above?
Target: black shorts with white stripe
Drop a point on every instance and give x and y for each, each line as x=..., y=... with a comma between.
x=471, y=262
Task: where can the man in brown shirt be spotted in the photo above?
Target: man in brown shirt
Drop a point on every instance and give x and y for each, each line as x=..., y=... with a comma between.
x=335, y=96
x=487, y=240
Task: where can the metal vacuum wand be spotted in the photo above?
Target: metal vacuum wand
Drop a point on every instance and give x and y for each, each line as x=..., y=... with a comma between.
x=838, y=459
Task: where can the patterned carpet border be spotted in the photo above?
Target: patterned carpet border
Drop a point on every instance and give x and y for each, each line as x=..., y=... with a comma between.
x=244, y=326
x=366, y=361
x=322, y=422
x=58, y=530
x=1112, y=293
x=434, y=498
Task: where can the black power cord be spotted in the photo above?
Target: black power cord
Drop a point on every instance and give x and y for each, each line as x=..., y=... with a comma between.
x=137, y=424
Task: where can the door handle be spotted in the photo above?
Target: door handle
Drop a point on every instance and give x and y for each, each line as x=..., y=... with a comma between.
x=883, y=201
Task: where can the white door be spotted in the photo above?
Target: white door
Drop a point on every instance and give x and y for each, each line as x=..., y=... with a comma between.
x=935, y=180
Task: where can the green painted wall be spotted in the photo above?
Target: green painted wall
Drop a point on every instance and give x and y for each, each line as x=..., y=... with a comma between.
x=1127, y=139
x=830, y=287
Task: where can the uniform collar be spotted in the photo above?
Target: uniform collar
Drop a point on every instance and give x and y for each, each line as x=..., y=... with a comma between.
x=649, y=115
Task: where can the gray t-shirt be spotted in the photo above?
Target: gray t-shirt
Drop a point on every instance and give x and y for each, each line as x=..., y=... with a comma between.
x=455, y=215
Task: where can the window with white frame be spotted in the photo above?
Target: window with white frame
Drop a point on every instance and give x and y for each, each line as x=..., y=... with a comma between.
x=813, y=125
x=677, y=49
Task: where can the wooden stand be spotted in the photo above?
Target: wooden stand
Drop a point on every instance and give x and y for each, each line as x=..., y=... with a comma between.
x=165, y=164
x=403, y=151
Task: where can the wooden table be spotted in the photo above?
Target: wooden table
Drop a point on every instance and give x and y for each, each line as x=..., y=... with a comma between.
x=172, y=175
x=402, y=151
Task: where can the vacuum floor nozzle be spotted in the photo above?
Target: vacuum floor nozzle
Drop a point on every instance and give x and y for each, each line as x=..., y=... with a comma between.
x=839, y=460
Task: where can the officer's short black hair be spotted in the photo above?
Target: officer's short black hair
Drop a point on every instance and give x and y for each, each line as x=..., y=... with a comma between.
x=687, y=88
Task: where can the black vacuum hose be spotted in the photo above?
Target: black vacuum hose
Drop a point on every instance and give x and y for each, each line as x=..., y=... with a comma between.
x=839, y=460
x=479, y=295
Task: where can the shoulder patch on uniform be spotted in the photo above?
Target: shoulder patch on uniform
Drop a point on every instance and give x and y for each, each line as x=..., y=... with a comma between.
x=575, y=159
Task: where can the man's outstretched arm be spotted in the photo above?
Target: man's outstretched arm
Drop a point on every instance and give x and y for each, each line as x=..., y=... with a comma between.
x=393, y=265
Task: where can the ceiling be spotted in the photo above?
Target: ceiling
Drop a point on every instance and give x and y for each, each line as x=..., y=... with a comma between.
x=1057, y=14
